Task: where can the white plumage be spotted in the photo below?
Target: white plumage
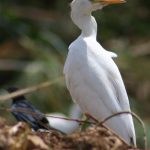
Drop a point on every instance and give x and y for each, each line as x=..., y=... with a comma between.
x=66, y=126
x=92, y=77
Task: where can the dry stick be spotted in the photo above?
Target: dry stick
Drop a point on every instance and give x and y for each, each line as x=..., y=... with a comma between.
x=24, y=110
x=30, y=89
x=70, y=119
x=135, y=116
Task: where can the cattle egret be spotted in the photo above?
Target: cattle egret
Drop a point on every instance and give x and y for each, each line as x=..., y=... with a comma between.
x=91, y=75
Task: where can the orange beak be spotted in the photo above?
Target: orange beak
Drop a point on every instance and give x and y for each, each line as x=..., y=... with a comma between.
x=109, y=1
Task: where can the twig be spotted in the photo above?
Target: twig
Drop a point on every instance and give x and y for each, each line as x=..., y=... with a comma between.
x=24, y=110
x=70, y=119
x=136, y=117
x=30, y=89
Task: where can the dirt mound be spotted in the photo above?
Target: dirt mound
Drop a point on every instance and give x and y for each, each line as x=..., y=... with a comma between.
x=21, y=137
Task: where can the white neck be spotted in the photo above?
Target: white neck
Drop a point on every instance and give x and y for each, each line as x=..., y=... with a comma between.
x=86, y=22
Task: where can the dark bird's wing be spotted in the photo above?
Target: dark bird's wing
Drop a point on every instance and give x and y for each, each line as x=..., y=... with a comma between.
x=24, y=111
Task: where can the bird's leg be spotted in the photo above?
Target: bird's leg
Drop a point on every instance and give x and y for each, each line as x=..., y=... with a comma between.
x=86, y=119
x=91, y=117
x=82, y=123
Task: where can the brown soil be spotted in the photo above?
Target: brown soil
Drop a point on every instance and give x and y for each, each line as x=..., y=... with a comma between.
x=21, y=137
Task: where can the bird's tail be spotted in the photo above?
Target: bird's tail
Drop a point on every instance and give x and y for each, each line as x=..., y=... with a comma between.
x=124, y=127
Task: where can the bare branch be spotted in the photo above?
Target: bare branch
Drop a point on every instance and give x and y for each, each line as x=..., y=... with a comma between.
x=70, y=119
x=24, y=110
x=30, y=89
x=135, y=116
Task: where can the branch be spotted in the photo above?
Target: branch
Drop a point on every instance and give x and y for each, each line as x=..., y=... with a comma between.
x=30, y=89
x=70, y=119
x=24, y=110
x=136, y=117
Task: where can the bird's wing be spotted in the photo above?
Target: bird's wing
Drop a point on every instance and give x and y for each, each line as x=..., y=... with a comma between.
x=23, y=116
x=118, y=88
x=112, y=73
x=34, y=120
x=117, y=91
x=117, y=84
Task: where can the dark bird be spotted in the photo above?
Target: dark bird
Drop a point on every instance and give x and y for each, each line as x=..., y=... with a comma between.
x=24, y=111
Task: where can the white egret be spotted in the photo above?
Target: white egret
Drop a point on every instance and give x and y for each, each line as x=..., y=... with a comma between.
x=66, y=126
x=91, y=75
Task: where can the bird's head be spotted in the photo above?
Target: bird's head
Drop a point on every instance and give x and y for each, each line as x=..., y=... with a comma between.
x=14, y=89
x=88, y=6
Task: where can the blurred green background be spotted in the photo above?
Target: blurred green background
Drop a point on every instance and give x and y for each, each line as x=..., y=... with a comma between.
x=35, y=34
